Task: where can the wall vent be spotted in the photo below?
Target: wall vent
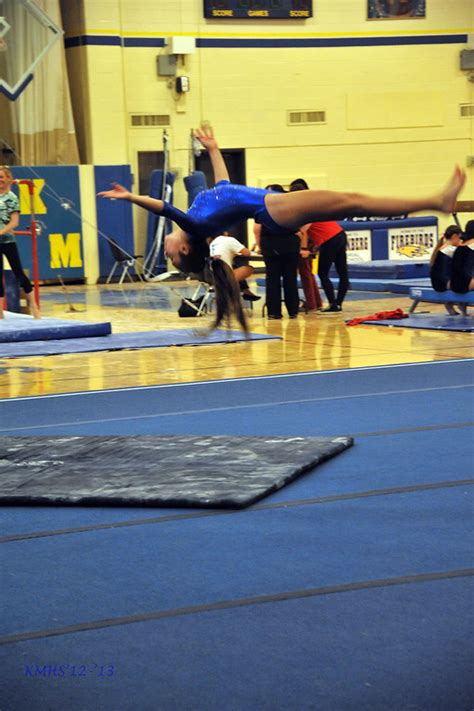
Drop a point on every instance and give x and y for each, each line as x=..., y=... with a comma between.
x=466, y=110
x=149, y=120
x=304, y=118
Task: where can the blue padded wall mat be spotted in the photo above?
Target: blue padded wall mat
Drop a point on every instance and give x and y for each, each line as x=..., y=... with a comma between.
x=113, y=220
x=173, y=471
x=15, y=328
x=122, y=341
x=195, y=183
x=429, y=321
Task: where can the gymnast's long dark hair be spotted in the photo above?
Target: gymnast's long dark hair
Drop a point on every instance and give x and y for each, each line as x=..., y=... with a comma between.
x=448, y=233
x=226, y=287
x=228, y=301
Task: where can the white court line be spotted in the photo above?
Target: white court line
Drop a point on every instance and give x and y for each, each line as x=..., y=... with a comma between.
x=248, y=378
x=230, y=408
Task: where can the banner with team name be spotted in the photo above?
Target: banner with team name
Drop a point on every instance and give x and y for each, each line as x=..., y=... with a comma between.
x=359, y=246
x=397, y=238
x=412, y=243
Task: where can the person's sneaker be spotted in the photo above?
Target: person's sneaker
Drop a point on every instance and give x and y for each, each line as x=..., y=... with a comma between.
x=273, y=318
x=248, y=296
x=333, y=308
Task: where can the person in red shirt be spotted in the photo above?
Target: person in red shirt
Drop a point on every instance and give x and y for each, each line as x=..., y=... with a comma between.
x=331, y=241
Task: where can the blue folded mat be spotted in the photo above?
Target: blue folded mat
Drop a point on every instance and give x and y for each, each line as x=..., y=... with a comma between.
x=19, y=327
x=121, y=341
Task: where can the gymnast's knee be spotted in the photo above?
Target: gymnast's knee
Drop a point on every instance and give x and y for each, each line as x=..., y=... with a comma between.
x=355, y=203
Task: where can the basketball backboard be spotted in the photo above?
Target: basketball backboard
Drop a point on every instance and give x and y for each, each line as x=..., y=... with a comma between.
x=26, y=35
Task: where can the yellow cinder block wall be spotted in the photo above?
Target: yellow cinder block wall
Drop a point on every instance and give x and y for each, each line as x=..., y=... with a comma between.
x=393, y=122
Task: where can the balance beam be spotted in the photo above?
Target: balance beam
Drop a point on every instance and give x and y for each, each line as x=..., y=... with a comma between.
x=465, y=206
x=438, y=297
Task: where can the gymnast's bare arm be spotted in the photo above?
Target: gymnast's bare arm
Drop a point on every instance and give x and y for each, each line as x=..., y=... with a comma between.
x=118, y=192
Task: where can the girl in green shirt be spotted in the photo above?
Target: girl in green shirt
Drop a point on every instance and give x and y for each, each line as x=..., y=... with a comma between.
x=9, y=219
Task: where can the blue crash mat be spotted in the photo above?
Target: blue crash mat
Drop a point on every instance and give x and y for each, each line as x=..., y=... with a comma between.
x=387, y=269
x=16, y=328
x=436, y=322
x=394, y=286
x=223, y=472
x=122, y=341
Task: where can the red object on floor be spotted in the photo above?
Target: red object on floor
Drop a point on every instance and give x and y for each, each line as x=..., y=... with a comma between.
x=380, y=316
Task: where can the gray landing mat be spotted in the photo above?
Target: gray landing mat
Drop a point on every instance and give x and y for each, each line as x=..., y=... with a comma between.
x=181, y=471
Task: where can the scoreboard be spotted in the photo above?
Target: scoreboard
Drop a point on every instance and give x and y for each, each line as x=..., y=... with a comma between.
x=258, y=9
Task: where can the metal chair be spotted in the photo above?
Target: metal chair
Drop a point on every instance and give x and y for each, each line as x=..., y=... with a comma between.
x=124, y=260
x=202, y=298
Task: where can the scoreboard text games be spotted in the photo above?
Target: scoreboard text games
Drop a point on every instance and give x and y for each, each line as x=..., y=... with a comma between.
x=258, y=9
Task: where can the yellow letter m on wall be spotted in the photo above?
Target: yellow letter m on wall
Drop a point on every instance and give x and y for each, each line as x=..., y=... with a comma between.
x=65, y=252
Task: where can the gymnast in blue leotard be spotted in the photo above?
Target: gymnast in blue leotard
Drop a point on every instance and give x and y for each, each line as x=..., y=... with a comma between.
x=213, y=211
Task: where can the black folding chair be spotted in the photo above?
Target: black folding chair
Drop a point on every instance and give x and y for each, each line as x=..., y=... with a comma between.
x=124, y=260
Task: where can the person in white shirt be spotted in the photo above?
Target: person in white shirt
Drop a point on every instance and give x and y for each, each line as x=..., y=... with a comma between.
x=231, y=251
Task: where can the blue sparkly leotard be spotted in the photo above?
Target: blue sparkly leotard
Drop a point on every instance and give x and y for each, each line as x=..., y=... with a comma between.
x=213, y=211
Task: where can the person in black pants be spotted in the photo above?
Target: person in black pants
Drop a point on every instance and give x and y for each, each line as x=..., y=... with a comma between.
x=452, y=264
x=9, y=220
x=280, y=253
x=462, y=273
x=441, y=263
x=331, y=241
x=332, y=251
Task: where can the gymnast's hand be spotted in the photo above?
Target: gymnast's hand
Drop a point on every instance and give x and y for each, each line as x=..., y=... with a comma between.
x=118, y=193
x=205, y=135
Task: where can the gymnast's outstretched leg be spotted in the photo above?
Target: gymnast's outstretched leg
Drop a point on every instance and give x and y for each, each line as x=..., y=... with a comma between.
x=297, y=208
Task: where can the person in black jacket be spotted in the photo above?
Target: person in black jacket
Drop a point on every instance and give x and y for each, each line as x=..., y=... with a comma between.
x=280, y=252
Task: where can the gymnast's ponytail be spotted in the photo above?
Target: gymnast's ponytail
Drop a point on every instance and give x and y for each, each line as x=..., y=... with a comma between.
x=449, y=232
x=227, y=292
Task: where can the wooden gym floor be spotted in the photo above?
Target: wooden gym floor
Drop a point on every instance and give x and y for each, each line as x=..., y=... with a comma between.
x=312, y=342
